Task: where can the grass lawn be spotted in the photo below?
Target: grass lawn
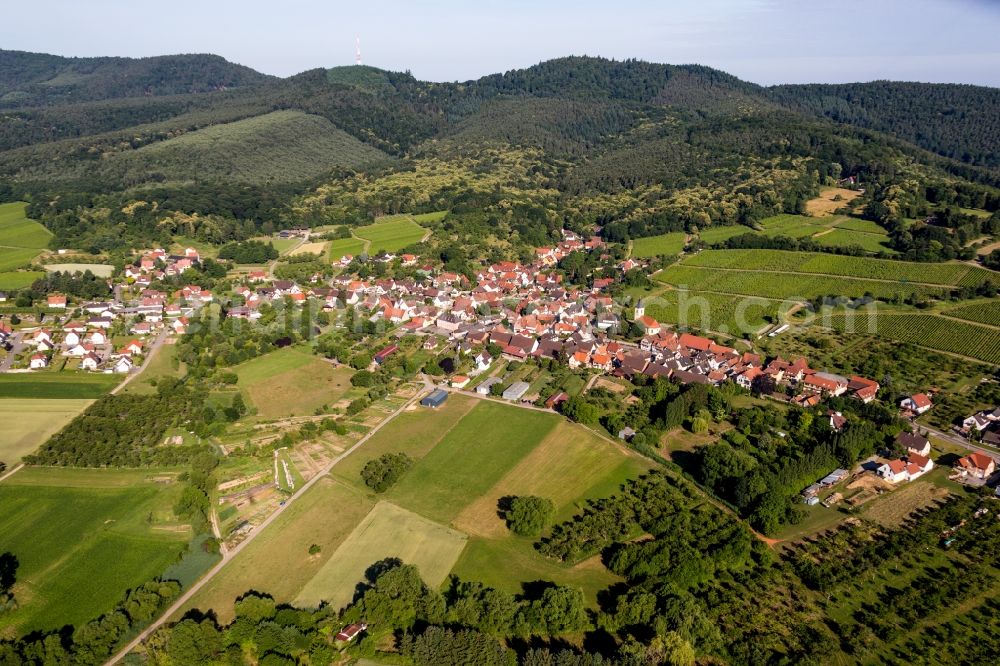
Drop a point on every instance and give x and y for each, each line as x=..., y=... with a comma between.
x=278, y=561
x=82, y=538
x=654, y=246
x=387, y=531
x=391, y=234
x=487, y=443
x=509, y=563
x=439, y=215
x=161, y=365
x=68, y=385
x=282, y=245
x=414, y=433
x=291, y=382
x=342, y=246
x=28, y=422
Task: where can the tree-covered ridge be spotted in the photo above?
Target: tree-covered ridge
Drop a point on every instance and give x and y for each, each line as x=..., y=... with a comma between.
x=957, y=121
x=38, y=79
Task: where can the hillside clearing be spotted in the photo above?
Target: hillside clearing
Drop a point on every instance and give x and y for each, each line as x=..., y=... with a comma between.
x=391, y=234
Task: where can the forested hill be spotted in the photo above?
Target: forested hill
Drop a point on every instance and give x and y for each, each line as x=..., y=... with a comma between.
x=38, y=79
x=958, y=121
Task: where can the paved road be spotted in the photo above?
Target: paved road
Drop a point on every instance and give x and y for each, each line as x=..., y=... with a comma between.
x=155, y=347
x=228, y=557
x=961, y=441
x=16, y=347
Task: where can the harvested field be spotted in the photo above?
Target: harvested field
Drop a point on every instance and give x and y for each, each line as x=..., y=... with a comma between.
x=829, y=200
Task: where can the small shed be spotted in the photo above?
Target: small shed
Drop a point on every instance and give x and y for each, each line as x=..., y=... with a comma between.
x=516, y=390
x=484, y=388
x=836, y=476
x=435, y=399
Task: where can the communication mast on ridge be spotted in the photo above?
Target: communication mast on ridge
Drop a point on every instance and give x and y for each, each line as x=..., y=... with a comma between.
x=357, y=50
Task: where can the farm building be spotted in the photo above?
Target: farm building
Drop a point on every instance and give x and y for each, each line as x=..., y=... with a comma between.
x=435, y=399
x=516, y=390
x=836, y=476
x=484, y=388
x=351, y=631
x=385, y=353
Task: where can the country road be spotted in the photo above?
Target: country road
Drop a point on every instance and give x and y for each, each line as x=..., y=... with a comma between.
x=961, y=441
x=155, y=347
x=228, y=557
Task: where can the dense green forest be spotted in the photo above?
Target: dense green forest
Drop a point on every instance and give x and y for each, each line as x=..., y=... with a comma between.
x=957, y=121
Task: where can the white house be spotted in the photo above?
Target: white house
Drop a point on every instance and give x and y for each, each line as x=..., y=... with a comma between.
x=90, y=362
x=38, y=361
x=123, y=365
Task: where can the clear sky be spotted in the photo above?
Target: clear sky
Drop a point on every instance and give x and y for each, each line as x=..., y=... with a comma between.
x=765, y=41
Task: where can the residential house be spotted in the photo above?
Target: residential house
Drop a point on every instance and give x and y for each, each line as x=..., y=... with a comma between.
x=913, y=443
x=917, y=403
x=976, y=466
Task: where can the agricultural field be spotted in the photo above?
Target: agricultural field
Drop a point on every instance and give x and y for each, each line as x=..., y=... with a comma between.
x=278, y=562
x=655, y=246
x=15, y=257
x=28, y=422
x=65, y=385
x=387, y=531
x=414, y=433
x=793, y=226
x=291, y=382
x=318, y=247
x=391, y=234
x=927, y=330
x=569, y=466
x=17, y=230
x=100, y=270
x=11, y=280
x=66, y=525
x=342, y=246
x=470, y=459
x=441, y=515
x=784, y=285
x=984, y=312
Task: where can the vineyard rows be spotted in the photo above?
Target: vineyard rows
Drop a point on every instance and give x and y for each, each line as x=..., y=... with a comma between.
x=785, y=286
x=984, y=313
x=924, y=329
x=713, y=312
x=859, y=267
